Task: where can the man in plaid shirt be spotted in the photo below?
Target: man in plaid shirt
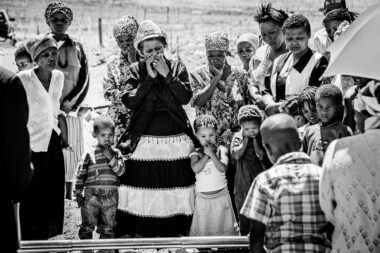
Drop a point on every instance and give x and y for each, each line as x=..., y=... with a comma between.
x=283, y=202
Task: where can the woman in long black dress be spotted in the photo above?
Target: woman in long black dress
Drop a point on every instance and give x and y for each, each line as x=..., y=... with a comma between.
x=157, y=191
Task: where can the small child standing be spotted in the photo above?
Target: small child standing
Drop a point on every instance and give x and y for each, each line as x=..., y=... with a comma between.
x=213, y=212
x=251, y=160
x=98, y=177
x=329, y=104
x=306, y=104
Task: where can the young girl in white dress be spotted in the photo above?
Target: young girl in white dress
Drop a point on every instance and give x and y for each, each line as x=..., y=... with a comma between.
x=213, y=214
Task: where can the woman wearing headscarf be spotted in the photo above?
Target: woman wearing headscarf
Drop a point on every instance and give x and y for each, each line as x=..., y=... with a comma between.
x=270, y=22
x=349, y=191
x=72, y=62
x=115, y=80
x=219, y=89
x=299, y=68
x=42, y=208
x=156, y=195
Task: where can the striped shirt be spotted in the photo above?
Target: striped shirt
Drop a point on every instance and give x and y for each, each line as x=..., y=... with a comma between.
x=285, y=199
x=94, y=170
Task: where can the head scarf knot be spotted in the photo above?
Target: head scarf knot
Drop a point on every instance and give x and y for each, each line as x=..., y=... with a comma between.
x=217, y=41
x=55, y=7
x=126, y=25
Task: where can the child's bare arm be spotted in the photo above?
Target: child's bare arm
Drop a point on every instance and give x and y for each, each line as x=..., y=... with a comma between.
x=198, y=163
x=238, y=147
x=62, y=124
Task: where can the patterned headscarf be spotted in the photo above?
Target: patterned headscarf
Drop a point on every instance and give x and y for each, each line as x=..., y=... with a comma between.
x=205, y=120
x=55, y=7
x=251, y=38
x=126, y=25
x=217, y=41
x=369, y=100
x=35, y=46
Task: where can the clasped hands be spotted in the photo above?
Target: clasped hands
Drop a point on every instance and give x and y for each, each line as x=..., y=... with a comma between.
x=156, y=64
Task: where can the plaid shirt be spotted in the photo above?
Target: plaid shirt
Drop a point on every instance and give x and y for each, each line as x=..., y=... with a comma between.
x=285, y=199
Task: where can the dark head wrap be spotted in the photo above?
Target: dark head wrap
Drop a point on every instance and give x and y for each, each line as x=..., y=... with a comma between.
x=55, y=7
x=338, y=14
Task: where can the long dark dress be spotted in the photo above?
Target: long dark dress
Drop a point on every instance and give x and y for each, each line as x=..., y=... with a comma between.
x=157, y=191
x=45, y=205
x=14, y=153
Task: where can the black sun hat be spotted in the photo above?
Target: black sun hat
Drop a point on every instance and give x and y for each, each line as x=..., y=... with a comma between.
x=333, y=4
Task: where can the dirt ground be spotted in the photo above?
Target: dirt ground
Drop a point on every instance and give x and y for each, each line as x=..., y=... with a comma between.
x=186, y=22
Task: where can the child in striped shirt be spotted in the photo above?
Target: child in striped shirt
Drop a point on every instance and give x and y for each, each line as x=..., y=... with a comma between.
x=98, y=178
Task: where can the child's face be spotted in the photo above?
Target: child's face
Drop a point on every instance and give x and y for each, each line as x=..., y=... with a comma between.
x=310, y=113
x=23, y=63
x=250, y=128
x=245, y=51
x=328, y=110
x=300, y=120
x=206, y=135
x=331, y=27
x=105, y=137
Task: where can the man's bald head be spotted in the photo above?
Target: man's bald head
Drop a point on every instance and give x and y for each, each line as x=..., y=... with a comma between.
x=280, y=136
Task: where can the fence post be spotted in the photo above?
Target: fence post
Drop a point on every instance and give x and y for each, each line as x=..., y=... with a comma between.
x=38, y=30
x=178, y=57
x=144, y=13
x=167, y=15
x=100, y=32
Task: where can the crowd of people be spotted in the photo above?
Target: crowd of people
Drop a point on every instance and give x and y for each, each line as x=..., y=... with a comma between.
x=276, y=151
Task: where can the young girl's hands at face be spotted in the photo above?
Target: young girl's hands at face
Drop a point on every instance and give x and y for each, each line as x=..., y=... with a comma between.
x=209, y=150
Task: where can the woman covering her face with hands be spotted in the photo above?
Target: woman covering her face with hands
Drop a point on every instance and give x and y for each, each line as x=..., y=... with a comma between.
x=115, y=80
x=156, y=192
x=219, y=89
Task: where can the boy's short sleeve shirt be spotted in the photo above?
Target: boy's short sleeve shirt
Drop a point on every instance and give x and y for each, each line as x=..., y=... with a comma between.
x=257, y=205
x=285, y=199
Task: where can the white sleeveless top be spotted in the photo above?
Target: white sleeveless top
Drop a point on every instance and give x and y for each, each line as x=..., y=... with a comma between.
x=43, y=107
x=210, y=178
x=295, y=81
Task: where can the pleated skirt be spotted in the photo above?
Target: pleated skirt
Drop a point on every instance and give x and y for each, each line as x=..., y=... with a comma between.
x=156, y=198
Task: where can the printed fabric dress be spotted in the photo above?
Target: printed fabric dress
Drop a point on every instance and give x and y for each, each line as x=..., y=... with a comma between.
x=156, y=196
x=114, y=84
x=223, y=105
